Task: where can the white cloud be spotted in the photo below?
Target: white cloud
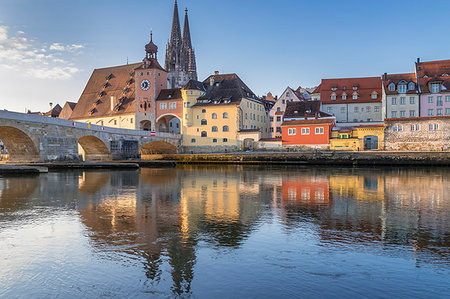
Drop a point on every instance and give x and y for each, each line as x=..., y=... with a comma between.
x=19, y=53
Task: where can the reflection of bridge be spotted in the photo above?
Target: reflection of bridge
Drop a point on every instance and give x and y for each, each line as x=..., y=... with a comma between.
x=32, y=138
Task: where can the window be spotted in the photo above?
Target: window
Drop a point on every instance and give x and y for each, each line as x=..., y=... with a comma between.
x=447, y=111
x=391, y=87
x=430, y=112
x=278, y=118
x=204, y=134
x=394, y=114
x=271, y=129
x=204, y=122
x=271, y=118
x=225, y=140
x=355, y=87
x=319, y=131
x=246, y=116
x=402, y=101
x=374, y=96
x=193, y=140
x=225, y=129
x=430, y=99
x=214, y=129
x=344, y=97
x=376, y=108
x=447, y=99
x=163, y=105
x=412, y=100
x=305, y=131
x=203, y=110
x=356, y=109
x=329, y=109
x=292, y=131
x=412, y=113
x=214, y=116
x=214, y=140
x=333, y=98
x=368, y=109
x=257, y=118
x=414, y=127
x=439, y=112
x=433, y=127
x=400, y=128
x=402, y=113
x=355, y=96
x=225, y=115
x=435, y=87
x=439, y=101
x=278, y=130
x=283, y=101
x=411, y=85
x=394, y=101
x=402, y=88
x=278, y=109
x=342, y=109
x=172, y=105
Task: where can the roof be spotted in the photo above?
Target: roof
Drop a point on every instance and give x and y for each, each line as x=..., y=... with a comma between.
x=117, y=82
x=365, y=87
x=430, y=71
x=396, y=78
x=54, y=112
x=70, y=104
x=299, y=122
x=224, y=89
x=169, y=94
x=298, y=110
x=194, y=84
x=151, y=64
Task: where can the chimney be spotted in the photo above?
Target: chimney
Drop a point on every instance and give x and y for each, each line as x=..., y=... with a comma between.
x=306, y=115
x=418, y=60
x=216, y=73
x=316, y=115
x=112, y=103
x=385, y=76
x=211, y=81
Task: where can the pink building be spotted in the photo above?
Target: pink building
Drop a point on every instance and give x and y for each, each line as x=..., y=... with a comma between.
x=434, y=82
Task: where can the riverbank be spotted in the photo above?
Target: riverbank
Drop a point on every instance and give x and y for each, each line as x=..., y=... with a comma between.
x=315, y=158
x=21, y=170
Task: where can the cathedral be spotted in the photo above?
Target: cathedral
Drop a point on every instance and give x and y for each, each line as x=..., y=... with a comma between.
x=180, y=56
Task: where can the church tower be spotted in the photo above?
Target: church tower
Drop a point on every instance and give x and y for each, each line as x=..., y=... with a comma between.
x=180, y=56
x=150, y=78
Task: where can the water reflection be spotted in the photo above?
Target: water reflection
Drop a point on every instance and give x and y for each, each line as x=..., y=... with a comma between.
x=162, y=218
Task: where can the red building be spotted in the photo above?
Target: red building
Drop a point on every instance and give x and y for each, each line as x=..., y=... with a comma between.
x=305, y=124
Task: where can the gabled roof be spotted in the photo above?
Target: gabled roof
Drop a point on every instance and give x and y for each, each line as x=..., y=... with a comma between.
x=194, y=85
x=431, y=71
x=117, y=82
x=396, y=78
x=71, y=105
x=365, y=88
x=300, y=110
x=169, y=94
x=54, y=112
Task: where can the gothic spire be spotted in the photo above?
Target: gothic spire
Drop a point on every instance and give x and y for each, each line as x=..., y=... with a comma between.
x=175, y=38
x=186, y=32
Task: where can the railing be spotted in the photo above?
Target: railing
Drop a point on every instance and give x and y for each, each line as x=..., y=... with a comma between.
x=17, y=116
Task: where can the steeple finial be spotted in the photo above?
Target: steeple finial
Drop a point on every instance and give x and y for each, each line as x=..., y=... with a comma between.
x=151, y=34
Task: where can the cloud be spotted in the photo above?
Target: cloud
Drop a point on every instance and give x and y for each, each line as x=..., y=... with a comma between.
x=36, y=59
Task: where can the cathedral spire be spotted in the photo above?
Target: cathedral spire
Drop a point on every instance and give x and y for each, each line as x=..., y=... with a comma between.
x=175, y=38
x=186, y=32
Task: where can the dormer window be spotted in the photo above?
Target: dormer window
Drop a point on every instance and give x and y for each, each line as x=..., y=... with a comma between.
x=445, y=75
x=333, y=97
x=355, y=88
x=355, y=96
x=333, y=88
x=411, y=86
x=374, y=96
x=402, y=88
x=344, y=88
x=344, y=96
x=435, y=87
x=391, y=86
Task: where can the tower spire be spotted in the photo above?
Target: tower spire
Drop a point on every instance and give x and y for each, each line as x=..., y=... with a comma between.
x=186, y=31
x=175, y=37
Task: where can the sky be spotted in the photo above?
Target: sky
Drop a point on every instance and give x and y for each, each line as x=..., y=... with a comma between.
x=49, y=48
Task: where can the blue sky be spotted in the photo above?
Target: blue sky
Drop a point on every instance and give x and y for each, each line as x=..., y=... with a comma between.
x=48, y=48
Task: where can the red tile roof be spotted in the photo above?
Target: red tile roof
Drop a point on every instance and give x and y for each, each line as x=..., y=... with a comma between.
x=396, y=78
x=169, y=94
x=365, y=88
x=433, y=71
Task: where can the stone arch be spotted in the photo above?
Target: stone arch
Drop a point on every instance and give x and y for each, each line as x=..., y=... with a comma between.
x=93, y=149
x=168, y=123
x=146, y=125
x=20, y=147
x=157, y=147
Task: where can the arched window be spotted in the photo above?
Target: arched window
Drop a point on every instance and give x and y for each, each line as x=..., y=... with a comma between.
x=204, y=122
x=411, y=86
x=203, y=110
x=204, y=134
x=391, y=86
x=214, y=116
x=225, y=115
x=225, y=129
x=214, y=129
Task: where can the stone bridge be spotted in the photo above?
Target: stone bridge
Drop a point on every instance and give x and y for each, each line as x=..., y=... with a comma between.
x=35, y=138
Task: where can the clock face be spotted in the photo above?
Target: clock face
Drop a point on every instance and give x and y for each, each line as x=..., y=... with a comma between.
x=145, y=85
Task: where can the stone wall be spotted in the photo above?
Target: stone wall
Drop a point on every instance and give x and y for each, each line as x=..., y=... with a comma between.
x=415, y=134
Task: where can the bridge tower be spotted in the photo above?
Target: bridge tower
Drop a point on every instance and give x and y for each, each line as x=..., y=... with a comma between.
x=150, y=78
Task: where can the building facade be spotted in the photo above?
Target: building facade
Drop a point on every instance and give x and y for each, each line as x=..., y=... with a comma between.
x=364, y=137
x=67, y=110
x=400, y=96
x=351, y=100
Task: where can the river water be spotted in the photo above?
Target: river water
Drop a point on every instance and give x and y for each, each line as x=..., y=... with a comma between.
x=227, y=231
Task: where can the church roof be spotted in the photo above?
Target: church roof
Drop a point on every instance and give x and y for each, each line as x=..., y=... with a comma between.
x=116, y=82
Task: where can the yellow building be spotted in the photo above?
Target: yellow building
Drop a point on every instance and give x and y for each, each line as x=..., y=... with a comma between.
x=225, y=111
x=365, y=137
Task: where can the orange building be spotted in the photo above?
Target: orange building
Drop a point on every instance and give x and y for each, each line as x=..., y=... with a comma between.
x=304, y=124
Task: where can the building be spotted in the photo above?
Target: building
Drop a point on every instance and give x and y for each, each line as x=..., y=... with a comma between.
x=225, y=110
x=434, y=87
x=67, y=110
x=304, y=124
x=363, y=137
x=54, y=112
x=400, y=96
x=276, y=113
x=169, y=111
x=180, y=56
x=351, y=100
x=429, y=133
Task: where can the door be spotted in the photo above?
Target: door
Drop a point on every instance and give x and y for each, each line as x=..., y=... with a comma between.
x=370, y=142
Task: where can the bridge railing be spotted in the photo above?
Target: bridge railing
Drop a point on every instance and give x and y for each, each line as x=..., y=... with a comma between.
x=17, y=116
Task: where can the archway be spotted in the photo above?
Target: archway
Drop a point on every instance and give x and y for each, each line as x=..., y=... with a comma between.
x=157, y=147
x=370, y=142
x=93, y=149
x=169, y=124
x=146, y=125
x=18, y=145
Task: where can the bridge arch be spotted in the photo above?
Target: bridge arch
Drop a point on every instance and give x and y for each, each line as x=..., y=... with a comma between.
x=157, y=147
x=93, y=149
x=19, y=145
x=169, y=123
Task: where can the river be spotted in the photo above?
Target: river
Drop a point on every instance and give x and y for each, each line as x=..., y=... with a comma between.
x=227, y=231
